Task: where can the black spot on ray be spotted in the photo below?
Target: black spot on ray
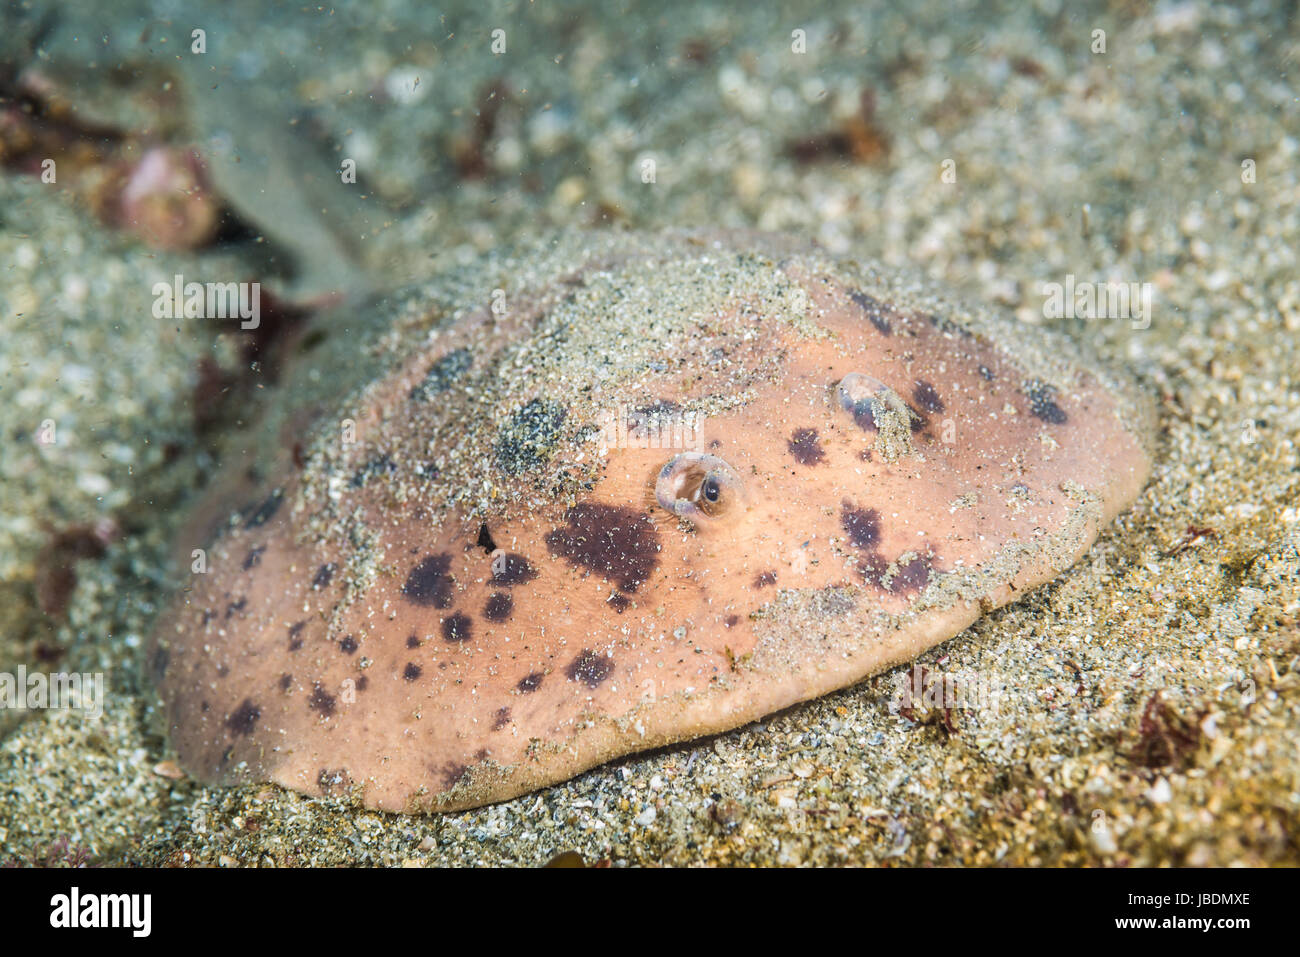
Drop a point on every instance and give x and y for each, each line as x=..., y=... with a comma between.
x=253, y=558
x=349, y=645
x=485, y=541
x=411, y=671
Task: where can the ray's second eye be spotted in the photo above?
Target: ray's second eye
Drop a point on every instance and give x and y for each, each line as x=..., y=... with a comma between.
x=699, y=487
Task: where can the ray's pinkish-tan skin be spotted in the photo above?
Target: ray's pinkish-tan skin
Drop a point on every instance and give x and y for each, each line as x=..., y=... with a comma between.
x=488, y=575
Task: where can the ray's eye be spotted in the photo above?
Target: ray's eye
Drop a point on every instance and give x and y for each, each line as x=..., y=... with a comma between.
x=859, y=395
x=699, y=487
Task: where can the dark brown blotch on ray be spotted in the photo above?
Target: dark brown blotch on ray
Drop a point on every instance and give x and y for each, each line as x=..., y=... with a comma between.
x=452, y=772
x=908, y=577
x=764, y=579
x=379, y=465
x=511, y=569
x=295, y=635
x=1042, y=403
x=324, y=575
x=911, y=576
x=244, y=718
x=263, y=512
x=918, y=420
x=443, y=374
x=502, y=719
x=927, y=397
x=429, y=583
x=877, y=313
x=530, y=683
x=529, y=436
x=590, y=668
x=286, y=681
x=253, y=557
x=412, y=671
x=861, y=524
x=499, y=606
x=158, y=662
x=620, y=603
x=235, y=607
x=615, y=541
x=413, y=641
x=457, y=628
x=321, y=701
x=805, y=447
x=333, y=780
x=349, y=644
x=949, y=327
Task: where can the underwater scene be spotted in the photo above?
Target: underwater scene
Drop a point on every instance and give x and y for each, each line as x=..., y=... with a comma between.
x=637, y=434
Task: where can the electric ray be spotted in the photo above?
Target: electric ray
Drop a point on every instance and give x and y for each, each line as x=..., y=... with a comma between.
x=615, y=491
